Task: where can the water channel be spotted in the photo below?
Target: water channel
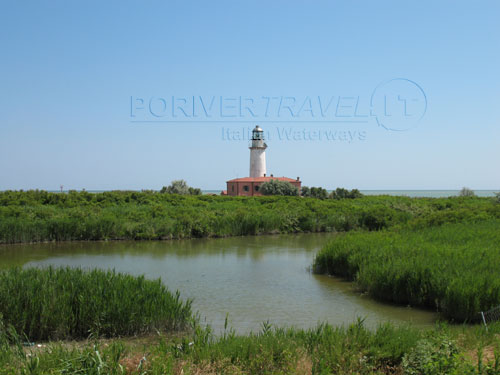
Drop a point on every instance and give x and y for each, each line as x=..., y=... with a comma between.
x=252, y=279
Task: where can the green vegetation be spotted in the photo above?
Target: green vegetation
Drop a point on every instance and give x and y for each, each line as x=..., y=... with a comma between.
x=321, y=350
x=277, y=187
x=35, y=216
x=39, y=304
x=341, y=193
x=436, y=253
x=451, y=268
x=71, y=303
x=466, y=192
x=180, y=187
x=315, y=192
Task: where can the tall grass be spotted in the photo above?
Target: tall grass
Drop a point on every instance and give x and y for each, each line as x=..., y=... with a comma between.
x=62, y=303
x=321, y=350
x=327, y=348
x=35, y=216
x=452, y=268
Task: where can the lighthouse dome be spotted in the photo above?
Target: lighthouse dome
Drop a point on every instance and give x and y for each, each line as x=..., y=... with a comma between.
x=258, y=134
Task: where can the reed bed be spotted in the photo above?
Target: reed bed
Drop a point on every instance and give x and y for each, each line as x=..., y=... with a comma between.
x=35, y=216
x=69, y=303
x=451, y=268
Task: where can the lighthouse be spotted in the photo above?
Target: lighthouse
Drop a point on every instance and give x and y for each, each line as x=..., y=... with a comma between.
x=257, y=153
x=250, y=186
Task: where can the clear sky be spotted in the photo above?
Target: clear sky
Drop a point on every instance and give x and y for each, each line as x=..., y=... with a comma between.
x=90, y=90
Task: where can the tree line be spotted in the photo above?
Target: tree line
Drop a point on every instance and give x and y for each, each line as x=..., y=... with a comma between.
x=276, y=187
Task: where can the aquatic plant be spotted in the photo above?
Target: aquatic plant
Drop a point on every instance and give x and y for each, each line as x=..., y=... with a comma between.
x=452, y=268
x=62, y=303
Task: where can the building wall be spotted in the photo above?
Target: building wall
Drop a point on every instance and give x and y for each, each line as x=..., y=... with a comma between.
x=257, y=162
x=238, y=188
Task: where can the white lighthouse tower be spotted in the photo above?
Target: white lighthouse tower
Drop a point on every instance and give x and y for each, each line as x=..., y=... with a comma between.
x=258, y=153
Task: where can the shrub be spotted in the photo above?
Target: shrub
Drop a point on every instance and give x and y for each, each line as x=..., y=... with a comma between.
x=433, y=357
x=355, y=193
x=375, y=218
x=194, y=191
x=180, y=187
x=277, y=187
x=315, y=192
x=341, y=193
x=466, y=192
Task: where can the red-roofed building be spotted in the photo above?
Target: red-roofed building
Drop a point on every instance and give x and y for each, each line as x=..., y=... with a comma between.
x=250, y=186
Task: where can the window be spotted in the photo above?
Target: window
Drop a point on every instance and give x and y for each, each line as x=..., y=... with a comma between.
x=257, y=188
x=245, y=188
x=232, y=188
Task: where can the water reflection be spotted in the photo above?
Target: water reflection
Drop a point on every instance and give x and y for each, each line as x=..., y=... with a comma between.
x=254, y=279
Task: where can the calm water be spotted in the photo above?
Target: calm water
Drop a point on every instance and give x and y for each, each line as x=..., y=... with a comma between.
x=253, y=279
x=428, y=193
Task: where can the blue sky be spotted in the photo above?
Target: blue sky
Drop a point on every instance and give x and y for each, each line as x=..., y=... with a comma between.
x=70, y=72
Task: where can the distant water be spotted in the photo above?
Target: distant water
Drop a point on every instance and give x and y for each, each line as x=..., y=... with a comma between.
x=408, y=193
x=428, y=193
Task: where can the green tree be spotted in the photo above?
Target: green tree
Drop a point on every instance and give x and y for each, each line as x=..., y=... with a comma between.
x=180, y=187
x=276, y=187
x=315, y=192
x=341, y=193
x=355, y=193
x=466, y=192
x=194, y=191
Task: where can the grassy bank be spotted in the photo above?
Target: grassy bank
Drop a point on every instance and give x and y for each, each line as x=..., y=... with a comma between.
x=451, y=268
x=35, y=216
x=40, y=304
x=67, y=303
x=321, y=350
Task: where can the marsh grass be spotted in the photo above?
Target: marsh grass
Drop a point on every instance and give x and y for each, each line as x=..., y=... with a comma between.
x=69, y=303
x=451, y=268
x=324, y=349
x=34, y=216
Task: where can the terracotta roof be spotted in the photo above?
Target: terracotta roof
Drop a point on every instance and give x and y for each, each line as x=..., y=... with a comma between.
x=261, y=179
